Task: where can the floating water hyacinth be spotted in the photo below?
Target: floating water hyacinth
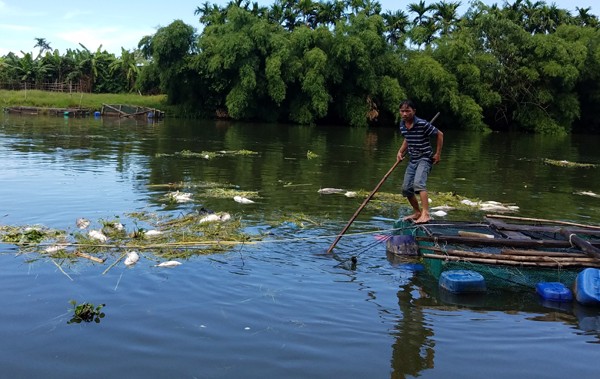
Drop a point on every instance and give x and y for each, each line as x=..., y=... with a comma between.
x=82, y=223
x=242, y=200
x=97, y=235
x=169, y=264
x=132, y=258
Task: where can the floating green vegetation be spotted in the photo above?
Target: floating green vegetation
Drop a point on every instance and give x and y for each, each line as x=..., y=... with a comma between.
x=295, y=220
x=157, y=238
x=385, y=200
x=565, y=163
x=25, y=235
x=206, y=154
x=311, y=155
x=86, y=312
x=229, y=193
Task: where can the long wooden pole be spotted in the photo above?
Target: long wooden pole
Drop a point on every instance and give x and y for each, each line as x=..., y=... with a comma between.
x=337, y=239
x=543, y=220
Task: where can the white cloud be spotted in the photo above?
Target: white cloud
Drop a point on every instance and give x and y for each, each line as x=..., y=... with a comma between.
x=110, y=38
x=15, y=27
x=76, y=14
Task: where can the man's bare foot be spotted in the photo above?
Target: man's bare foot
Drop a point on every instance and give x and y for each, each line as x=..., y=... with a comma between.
x=424, y=218
x=412, y=217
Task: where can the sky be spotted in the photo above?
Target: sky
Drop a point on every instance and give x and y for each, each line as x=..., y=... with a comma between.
x=113, y=25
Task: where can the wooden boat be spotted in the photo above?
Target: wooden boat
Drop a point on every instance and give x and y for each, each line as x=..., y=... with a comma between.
x=508, y=251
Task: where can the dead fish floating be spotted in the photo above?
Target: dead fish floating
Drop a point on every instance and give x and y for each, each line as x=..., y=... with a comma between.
x=215, y=217
x=82, y=223
x=168, y=264
x=152, y=233
x=179, y=197
x=491, y=206
x=327, y=191
x=55, y=248
x=131, y=258
x=242, y=200
x=587, y=193
x=97, y=235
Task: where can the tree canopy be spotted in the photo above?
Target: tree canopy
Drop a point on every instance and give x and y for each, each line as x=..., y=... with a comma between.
x=520, y=66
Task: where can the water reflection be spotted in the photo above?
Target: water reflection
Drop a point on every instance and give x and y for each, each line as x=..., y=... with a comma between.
x=414, y=349
x=420, y=297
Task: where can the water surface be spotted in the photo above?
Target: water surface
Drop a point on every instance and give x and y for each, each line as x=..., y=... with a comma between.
x=279, y=308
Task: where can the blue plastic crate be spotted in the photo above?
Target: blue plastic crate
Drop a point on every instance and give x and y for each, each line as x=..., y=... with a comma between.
x=554, y=291
x=462, y=281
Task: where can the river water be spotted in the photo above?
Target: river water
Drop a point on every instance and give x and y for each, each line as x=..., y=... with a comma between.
x=279, y=308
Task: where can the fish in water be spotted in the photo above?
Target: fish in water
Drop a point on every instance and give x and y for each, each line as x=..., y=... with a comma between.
x=152, y=233
x=327, y=191
x=82, y=223
x=97, y=235
x=242, y=200
x=180, y=197
x=55, y=248
x=132, y=258
x=169, y=264
x=214, y=217
x=439, y=213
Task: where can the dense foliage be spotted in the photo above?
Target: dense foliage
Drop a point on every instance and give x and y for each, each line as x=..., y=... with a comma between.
x=523, y=65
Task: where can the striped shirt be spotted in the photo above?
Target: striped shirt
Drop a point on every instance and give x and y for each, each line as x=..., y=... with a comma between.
x=417, y=137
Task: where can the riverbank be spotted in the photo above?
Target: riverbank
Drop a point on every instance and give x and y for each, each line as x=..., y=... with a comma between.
x=91, y=101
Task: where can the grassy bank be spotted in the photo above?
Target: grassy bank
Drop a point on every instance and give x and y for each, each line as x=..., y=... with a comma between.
x=92, y=101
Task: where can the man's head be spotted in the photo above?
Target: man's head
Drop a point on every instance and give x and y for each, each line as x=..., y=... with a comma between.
x=407, y=110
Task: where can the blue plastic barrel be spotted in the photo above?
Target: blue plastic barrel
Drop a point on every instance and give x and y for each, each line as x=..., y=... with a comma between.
x=587, y=286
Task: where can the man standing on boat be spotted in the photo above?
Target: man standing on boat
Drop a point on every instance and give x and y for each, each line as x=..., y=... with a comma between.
x=417, y=132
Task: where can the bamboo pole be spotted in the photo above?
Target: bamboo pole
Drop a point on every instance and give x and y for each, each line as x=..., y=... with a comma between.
x=517, y=258
x=495, y=241
x=509, y=262
x=543, y=220
x=542, y=253
x=584, y=245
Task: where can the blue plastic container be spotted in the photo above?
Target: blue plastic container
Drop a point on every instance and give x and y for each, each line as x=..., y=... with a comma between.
x=554, y=291
x=414, y=267
x=462, y=281
x=587, y=286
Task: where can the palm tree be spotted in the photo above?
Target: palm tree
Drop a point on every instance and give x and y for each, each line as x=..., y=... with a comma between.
x=585, y=18
x=420, y=9
x=396, y=25
x=446, y=16
x=209, y=14
x=42, y=44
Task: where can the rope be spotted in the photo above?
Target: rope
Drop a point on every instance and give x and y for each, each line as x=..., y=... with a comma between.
x=570, y=239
